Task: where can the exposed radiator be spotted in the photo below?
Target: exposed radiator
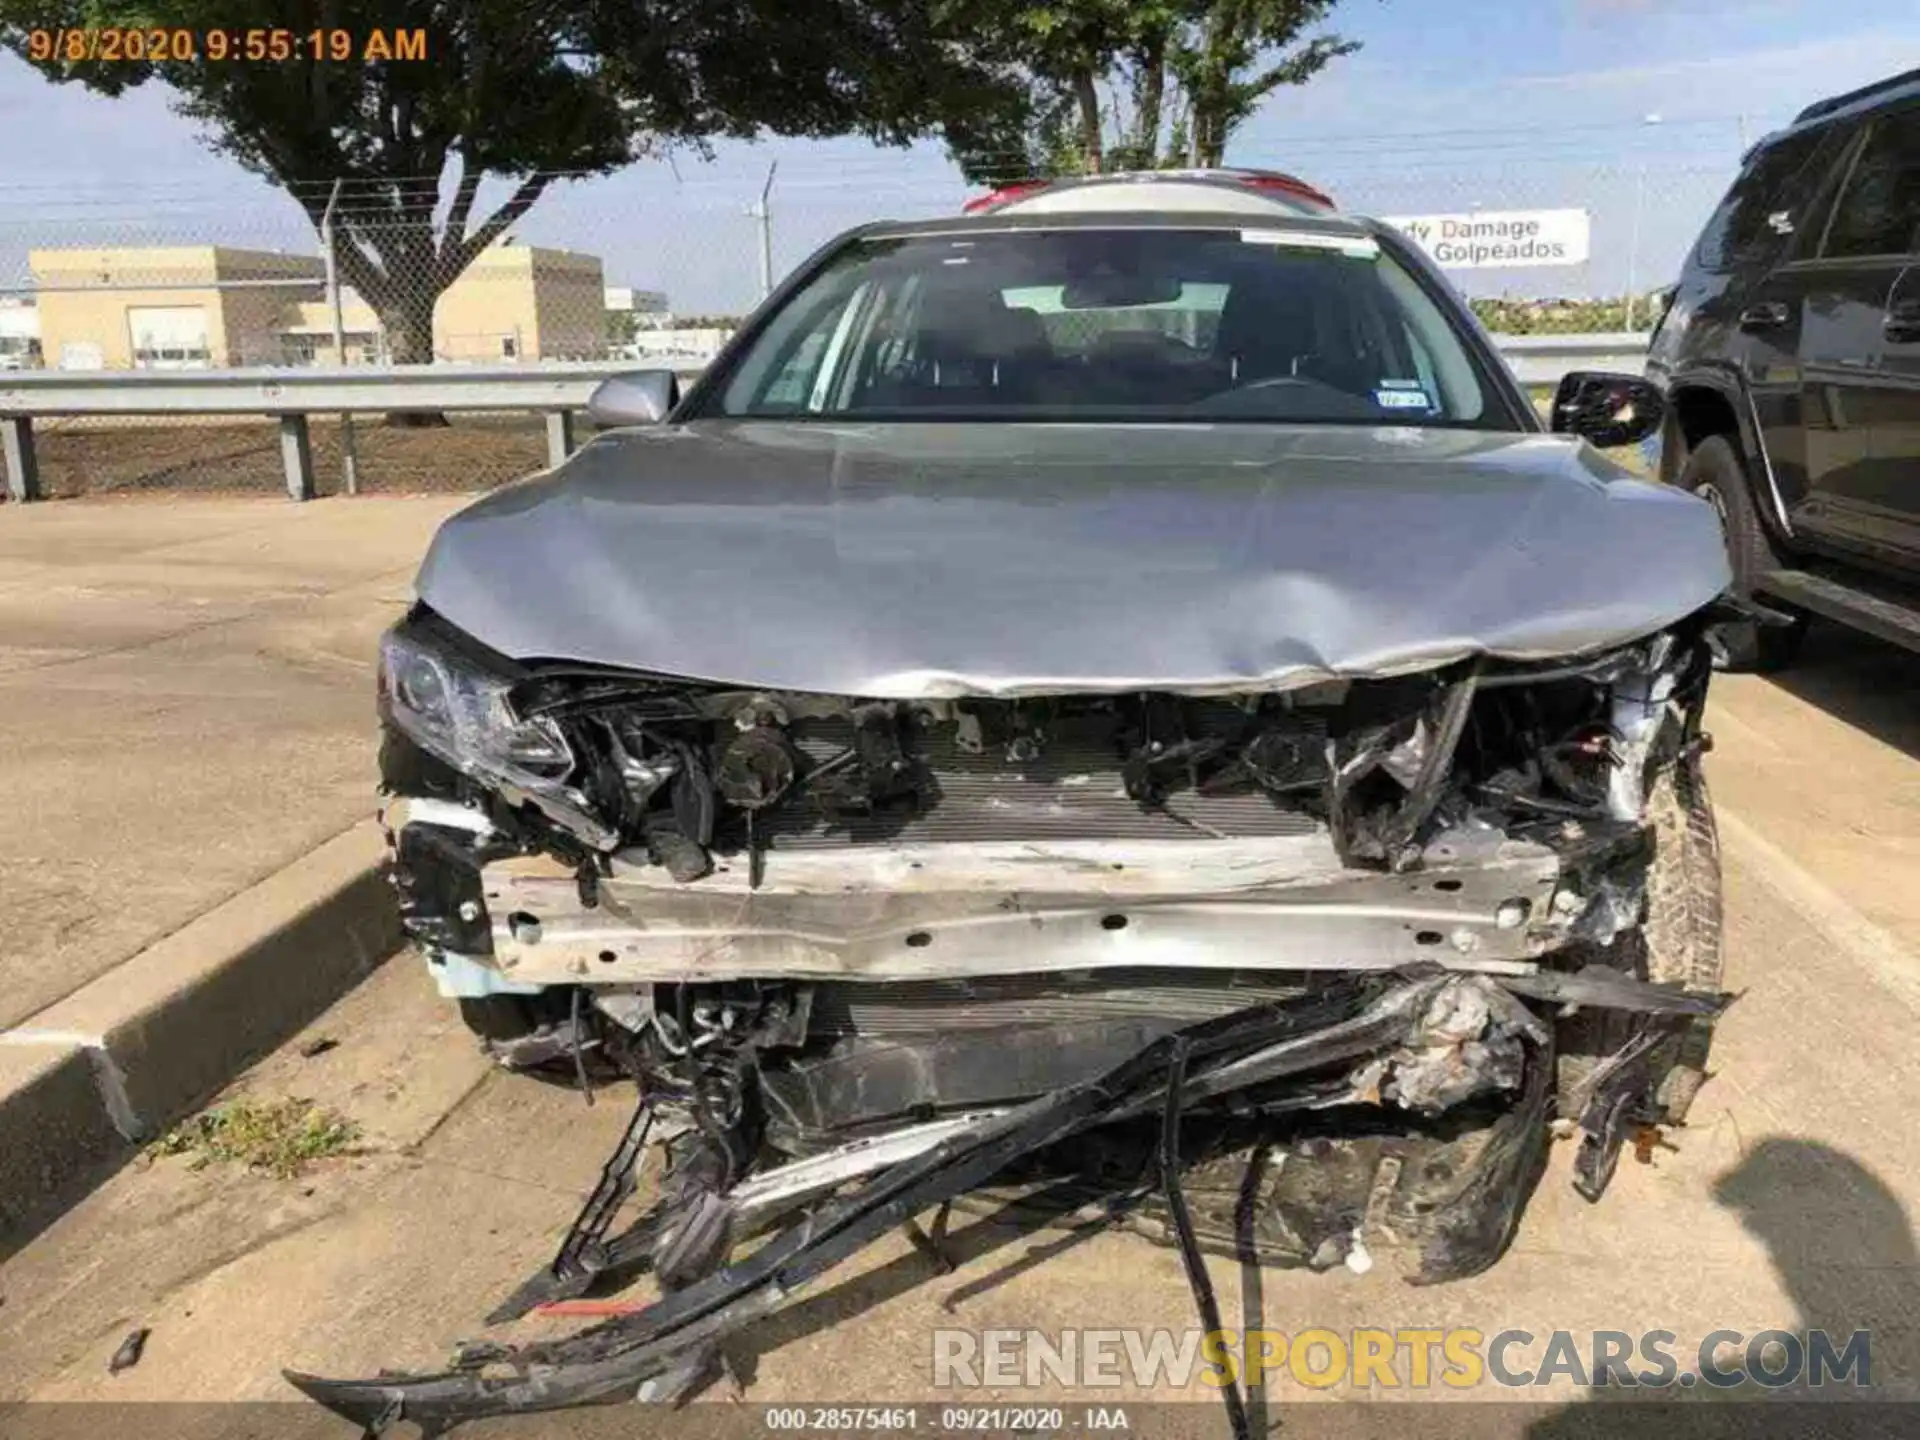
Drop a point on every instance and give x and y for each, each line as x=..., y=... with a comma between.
x=926, y=1007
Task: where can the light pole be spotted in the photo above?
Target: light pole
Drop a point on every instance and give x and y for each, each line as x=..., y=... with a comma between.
x=1633, y=245
x=349, y=455
x=761, y=213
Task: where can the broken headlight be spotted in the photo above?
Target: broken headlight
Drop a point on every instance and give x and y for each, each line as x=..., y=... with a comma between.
x=454, y=707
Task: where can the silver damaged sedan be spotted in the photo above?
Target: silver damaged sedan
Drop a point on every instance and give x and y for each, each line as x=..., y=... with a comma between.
x=1109, y=700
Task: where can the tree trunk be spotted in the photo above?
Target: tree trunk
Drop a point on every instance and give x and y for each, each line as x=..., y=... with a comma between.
x=398, y=265
x=1149, y=100
x=1209, y=129
x=409, y=326
x=1207, y=86
x=1209, y=138
x=408, y=321
x=1088, y=100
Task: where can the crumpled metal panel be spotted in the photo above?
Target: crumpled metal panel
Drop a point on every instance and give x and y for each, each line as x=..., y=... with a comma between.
x=946, y=559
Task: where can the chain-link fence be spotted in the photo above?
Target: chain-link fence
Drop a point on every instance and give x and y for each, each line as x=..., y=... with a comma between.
x=123, y=455
x=653, y=265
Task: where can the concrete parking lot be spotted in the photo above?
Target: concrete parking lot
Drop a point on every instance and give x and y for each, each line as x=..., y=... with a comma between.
x=1789, y=1202
x=184, y=696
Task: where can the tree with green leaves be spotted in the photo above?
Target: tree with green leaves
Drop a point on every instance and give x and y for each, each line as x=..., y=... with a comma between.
x=1229, y=55
x=1113, y=85
x=524, y=92
x=622, y=326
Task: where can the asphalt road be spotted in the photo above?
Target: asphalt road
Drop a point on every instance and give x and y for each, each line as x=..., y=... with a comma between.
x=1788, y=1202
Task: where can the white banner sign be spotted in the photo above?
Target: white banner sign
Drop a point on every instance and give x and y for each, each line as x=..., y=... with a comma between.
x=1508, y=239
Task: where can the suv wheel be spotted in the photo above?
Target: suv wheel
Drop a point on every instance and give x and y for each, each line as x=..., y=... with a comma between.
x=1715, y=473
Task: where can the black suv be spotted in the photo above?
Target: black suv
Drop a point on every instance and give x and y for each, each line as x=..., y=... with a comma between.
x=1790, y=354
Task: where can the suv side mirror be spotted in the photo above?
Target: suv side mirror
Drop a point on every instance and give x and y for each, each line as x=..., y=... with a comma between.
x=1607, y=409
x=639, y=397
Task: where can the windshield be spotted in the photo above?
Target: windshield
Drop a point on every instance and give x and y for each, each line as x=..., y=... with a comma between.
x=1289, y=325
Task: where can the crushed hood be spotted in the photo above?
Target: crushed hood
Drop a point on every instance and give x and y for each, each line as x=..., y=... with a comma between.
x=911, y=560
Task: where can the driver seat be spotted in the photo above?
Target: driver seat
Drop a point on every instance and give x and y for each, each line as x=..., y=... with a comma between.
x=972, y=348
x=1265, y=331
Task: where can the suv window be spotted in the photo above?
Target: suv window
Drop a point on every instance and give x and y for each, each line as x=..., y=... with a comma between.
x=1767, y=203
x=1879, y=211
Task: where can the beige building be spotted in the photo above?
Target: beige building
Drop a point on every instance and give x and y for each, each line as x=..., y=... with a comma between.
x=208, y=306
x=518, y=301
x=172, y=307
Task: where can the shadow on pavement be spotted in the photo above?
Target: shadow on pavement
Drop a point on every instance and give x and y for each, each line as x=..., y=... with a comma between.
x=1844, y=1252
x=1839, y=1241
x=1865, y=682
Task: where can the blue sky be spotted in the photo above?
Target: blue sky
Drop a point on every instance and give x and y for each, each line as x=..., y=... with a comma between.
x=1450, y=105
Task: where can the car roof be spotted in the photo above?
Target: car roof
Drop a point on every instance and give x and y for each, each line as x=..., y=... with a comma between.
x=1303, y=223
x=1890, y=91
x=1238, y=191
x=1895, y=88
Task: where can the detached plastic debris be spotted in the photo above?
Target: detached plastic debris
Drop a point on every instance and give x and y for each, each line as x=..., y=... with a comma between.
x=130, y=1351
x=1362, y=1039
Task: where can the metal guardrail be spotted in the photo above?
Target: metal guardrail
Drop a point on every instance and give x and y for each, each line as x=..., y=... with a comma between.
x=556, y=390
x=1543, y=359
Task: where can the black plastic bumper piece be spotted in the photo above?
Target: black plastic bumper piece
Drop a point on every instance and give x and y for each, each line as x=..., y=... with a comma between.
x=1290, y=1040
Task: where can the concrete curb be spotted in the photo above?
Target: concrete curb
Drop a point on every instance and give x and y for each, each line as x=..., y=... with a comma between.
x=87, y=1079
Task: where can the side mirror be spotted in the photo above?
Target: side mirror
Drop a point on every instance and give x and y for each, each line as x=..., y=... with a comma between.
x=1607, y=409
x=639, y=397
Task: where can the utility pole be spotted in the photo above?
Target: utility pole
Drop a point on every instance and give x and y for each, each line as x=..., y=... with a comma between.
x=349, y=460
x=1633, y=246
x=761, y=213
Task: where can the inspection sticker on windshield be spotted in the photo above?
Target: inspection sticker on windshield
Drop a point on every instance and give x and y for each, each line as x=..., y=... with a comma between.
x=1402, y=395
x=1359, y=247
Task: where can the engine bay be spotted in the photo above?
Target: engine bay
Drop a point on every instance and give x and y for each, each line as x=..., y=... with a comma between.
x=686, y=771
